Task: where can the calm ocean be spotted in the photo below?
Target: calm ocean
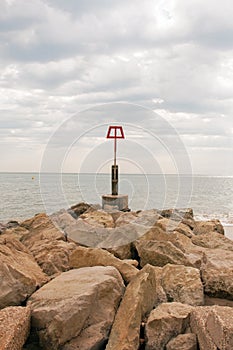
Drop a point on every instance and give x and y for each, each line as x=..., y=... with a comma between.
x=25, y=194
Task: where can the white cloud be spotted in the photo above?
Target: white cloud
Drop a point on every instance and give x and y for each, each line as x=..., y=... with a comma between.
x=60, y=57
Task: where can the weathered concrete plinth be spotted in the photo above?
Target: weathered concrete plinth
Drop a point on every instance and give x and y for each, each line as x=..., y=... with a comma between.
x=119, y=202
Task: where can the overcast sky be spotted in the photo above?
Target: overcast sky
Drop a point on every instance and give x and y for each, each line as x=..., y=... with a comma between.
x=163, y=69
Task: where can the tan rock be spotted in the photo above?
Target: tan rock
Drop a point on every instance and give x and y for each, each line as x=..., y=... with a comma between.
x=83, y=257
x=219, y=325
x=40, y=227
x=198, y=318
x=47, y=243
x=125, y=218
x=182, y=284
x=183, y=342
x=139, y=299
x=87, y=234
x=98, y=218
x=52, y=255
x=14, y=327
x=20, y=275
x=170, y=225
x=77, y=308
x=165, y=322
x=178, y=214
x=160, y=253
x=213, y=240
x=122, y=252
x=217, y=273
x=80, y=208
x=202, y=227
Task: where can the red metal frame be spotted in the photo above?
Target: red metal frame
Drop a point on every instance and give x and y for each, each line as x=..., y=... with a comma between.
x=115, y=129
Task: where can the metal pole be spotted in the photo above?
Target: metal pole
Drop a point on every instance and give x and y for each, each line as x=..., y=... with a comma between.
x=115, y=169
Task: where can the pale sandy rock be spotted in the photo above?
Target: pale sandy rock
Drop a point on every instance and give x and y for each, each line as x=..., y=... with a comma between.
x=77, y=308
x=217, y=273
x=20, y=275
x=14, y=327
x=198, y=318
x=219, y=325
x=147, y=218
x=52, y=256
x=182, y=284
x=83, y=257
x=87, y=234
x=202, y=227
x=132, y=262
x=213, y=240
x=125, y=218
x=122, y=236
x=160, y=253
x=177, y=214
x=17, y=232
x=62, y=219
x=46, y=241
x=121, y=252
x=170, y=225
x=98, y=218
x=138, y=300
x=160, y=294
x=183, y=342
x=40, y=227
x=165, y=322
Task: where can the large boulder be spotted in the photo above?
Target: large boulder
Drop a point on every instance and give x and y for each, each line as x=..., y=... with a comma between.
x=20, y=275
x=160, y=253
x=183, y=342
x=198, y=318
x=165, y=322
x=76, y=309
x=203, y=227
x=182, y=284
x=46, y=240
x=40, y=227
x=219, y=325
x=98, y=218
x=52, y=256
x=14, y=327
x=138, y=300
x=217, y=273
x=83, y=257
x=213, y=240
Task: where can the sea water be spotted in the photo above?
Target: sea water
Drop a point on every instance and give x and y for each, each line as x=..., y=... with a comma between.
x=22, y=195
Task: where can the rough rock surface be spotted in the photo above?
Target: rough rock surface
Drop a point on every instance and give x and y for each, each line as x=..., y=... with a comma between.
x=83, y=257
x=198, y=318
x=217, y=273
x=139, y=299
x=14, y=327
x=183, y=342
x=182, y=284
x=213, y=240
x=20, y=275
x=165, y=322
x=160, y=253
x=98, y=218
x=47, y=243
x=40, y=227
x=219, y=325
x=202, y=227
x=77, y=308
x=53, y=256
x=80, y=208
